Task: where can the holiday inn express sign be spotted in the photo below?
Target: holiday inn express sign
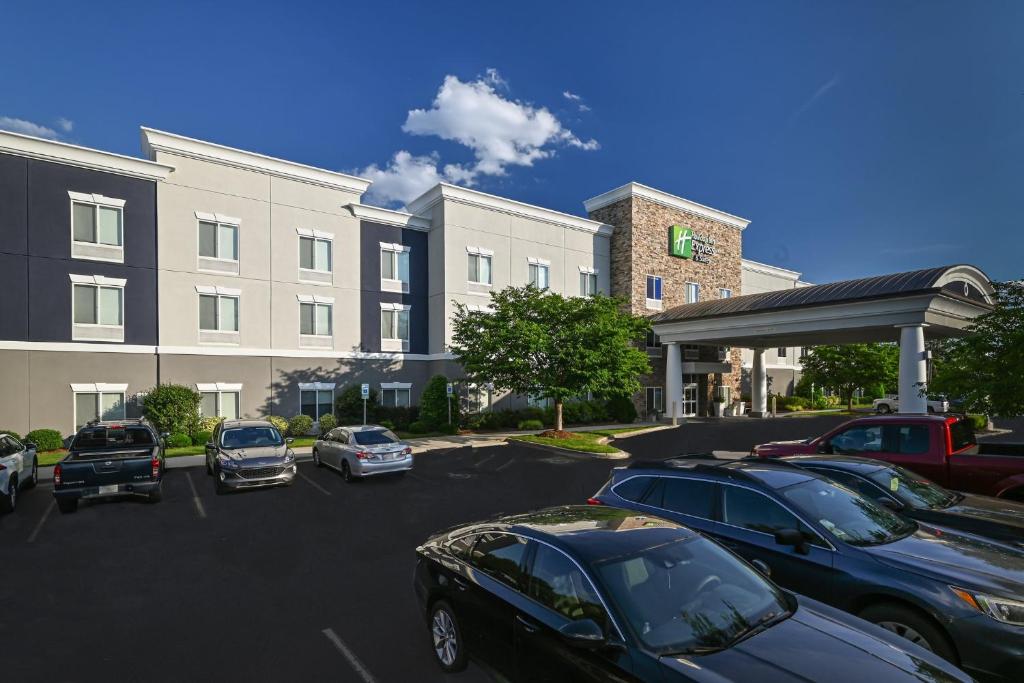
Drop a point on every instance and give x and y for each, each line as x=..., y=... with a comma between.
x=683, y=242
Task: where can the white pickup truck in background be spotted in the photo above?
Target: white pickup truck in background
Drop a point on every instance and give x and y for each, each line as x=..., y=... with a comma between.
x=891, y=404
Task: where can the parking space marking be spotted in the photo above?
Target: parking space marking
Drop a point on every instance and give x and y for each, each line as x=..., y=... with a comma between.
x=195, y=496
x=315, y=485
x=507, y=463
x=42, y=520
x=349, y=655
x=485, y=459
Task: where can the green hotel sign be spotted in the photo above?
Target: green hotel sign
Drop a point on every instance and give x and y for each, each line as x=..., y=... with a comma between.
x=683, y=242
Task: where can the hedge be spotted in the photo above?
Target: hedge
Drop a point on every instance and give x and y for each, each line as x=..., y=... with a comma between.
x=280, y=423
x=179, y=440
x=172, y=408
x=300, y=425
x=979, y=422
x=531, y=425
x=201, y=438
x=327, y=423
x=45, y=439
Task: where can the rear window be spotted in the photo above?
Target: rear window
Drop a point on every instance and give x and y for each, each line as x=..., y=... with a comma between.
x=961, y=433
x=376, y=437
x=107, y=437
x=633, y=488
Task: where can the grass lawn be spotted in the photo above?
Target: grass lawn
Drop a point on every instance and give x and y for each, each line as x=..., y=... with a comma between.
x=613, y=432
x=584, y=440
x=47, y=458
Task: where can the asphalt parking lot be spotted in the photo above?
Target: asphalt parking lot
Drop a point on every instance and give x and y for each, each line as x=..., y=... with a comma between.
x=303, y=583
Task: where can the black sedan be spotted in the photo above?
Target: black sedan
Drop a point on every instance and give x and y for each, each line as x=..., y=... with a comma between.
x=575, y=594
x=913, y=496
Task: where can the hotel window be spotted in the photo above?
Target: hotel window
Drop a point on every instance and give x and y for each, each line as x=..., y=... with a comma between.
x=479, y=260
x=97, y=308
x=316, y=400
x=216, y=402
x=218, y=241
x=394, y=267
x=653, y=343
x=396, y=395
x=655, y=400
x=724, y=293
x=98, y=402
x=315, y=319
x=692, y=292
x=97, y=231
x=803, y=352
x=538, y=273
x=539, y=402
x=316, y=255
x=588, y=282
x=781, y=352
x=691, y=352
x=478, y=398
x=218, y=313
x=654, y=292
x=394, y=327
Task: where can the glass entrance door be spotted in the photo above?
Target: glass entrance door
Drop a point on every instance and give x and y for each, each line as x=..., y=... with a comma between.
x=690, y=395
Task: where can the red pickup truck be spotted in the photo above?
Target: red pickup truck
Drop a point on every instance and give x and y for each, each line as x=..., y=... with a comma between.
x=940, y=448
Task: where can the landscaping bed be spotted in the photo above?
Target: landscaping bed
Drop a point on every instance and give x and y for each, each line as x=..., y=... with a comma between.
x=593, y=441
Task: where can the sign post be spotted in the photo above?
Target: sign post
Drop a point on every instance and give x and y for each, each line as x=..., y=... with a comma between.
x=366, y=395
x=449, y=390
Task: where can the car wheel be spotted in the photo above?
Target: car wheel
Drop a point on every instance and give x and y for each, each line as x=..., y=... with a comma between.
x=316, y=458
x=884, y=408
x=346, y=472
x=9, y=501
x=218, y=485
x=67, y=505
x=913, y=626
x=446, y=638
x=30, y=483
x=209, y=470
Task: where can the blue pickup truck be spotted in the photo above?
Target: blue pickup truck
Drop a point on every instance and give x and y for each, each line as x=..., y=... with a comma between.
x=106, y=459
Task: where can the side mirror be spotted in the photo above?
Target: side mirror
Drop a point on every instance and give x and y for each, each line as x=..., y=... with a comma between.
x=289, y=440
x=209, y=444
x=887, y=502
x=29, y=446
x=164, y=435
x=584, y=633
x=792, y=537
x=825, y=448
x=762, y=566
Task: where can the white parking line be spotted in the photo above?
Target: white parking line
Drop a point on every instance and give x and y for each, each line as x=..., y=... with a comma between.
x=195, y=496
x=508, y=463
x=486, y=458
x=315, y=485
x=39, y=525
x=349, y=655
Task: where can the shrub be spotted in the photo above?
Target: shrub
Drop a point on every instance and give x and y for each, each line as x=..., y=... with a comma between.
x=387, y=424
x=11, y=432
x=300, y=425
x=327, y=423
x=209, y=423
x=179, y=440
x=279, y=422
x=979, y=422
x=450, y=429
x=621, y=409
x=45, y=439
x=172, y=408
x=531, y=425
x=201, y=438
x=400, y=416
x=348, y=406
x=434, y=403
x=419, y=427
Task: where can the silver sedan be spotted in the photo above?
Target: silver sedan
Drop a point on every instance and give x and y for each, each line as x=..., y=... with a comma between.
x=362, y=451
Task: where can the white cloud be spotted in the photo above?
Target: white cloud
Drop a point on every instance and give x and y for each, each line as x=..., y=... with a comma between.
x=584, y=107
x=494, y=78
x=65, y=124
x=405, y=178
x=27, y=128
x=571, y=96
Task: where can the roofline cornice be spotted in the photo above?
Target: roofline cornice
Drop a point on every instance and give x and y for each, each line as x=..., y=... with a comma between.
x=768, y=269
x=82, y=157
x=161, y=141
x=400, y=219
x=634, y=189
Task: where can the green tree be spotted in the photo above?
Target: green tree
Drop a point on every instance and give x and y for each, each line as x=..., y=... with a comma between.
x=985, y=367
x=348, y=406
x=537, y=343
x=848, y=367
x=434, y=403
x=172, y=408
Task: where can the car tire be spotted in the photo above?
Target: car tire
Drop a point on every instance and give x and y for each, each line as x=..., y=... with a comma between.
x=67, y=505
x=883, y=409
x=346, y=473
x=446, y=638
x=218, y=485
x=316, y=458
x=9, y=500
x=31, y=482
x=912, y=625
x=209, y=470
x=157, y=495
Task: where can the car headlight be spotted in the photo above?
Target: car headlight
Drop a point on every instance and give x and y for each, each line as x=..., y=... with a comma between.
x=289, y=455
x=226, y=462
x=1001, y=609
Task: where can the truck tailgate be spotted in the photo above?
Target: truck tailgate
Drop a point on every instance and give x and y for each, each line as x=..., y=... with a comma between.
x=97, y=468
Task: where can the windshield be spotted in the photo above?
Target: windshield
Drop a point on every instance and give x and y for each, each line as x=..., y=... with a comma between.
x=688, y=595
x=912, y=489
x=112, y=437
x=375, y=437
x=848, y=516
x=250, y=437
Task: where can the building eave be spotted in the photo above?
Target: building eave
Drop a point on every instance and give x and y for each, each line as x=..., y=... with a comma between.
x=768, y=269
x=401, y=219
x=634, y=189
x=82, y=157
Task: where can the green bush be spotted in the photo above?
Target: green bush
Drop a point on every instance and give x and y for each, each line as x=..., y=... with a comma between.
x=450, y=429
x=348, y=406
x=45, y=439
x=400, y=416
x=179, y=440
x=300, y=425
x=531, y=425
x=419, y=427
x=979, y=422
x=387, y=424
x=280, y=423
x=172, y=408
x=209, y=423
x=434, y=403
x=327, y=423
x=11, y=432
x=201, y=438
x=621, y=409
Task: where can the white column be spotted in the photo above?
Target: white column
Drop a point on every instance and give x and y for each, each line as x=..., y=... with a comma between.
x=673, y=379
x=758, y=385
x=913, y=369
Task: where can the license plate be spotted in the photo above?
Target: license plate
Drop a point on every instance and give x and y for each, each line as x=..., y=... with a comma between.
x=112, y=488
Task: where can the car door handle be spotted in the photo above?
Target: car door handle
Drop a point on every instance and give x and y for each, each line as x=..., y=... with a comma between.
x=526, y=624
x=461, y=584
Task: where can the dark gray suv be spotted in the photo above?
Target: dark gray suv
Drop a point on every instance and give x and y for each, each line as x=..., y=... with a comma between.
x=249, y=454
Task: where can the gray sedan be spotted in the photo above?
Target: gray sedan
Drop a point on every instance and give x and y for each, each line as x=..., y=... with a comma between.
x=249, y=454
x=362, y=451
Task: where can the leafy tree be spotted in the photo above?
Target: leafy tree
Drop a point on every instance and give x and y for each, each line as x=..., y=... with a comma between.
x=173, y=408
x=985, y=367
x=434, y=403
x=848, y=367
x=537, y=343
x=348, y=406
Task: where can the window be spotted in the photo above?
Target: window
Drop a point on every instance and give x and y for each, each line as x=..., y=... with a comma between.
x=692, y=292
x=724, y=293
x=478, y=398
x=539, y=402
x=461, y=546
x=218, y=312
x=96, y=224
x=480, y=269
x=316, y=319
x=588, y=284
x=751, y=510
x=396, y=395
x=782, y=351
x=633, y=488
x=655, y=400
x=558, y=584
x=686, y=496
x=501, y=557
x=316, y=402
x=394, y=267
x=218, y=240
x=219, y=404
x=394, y=324
x=803, y=352
x=538, y=275
x=98, y=405
x=653, y=343
x=98, y=305
x=654, y=292
x=851, y=481
x=315, y=254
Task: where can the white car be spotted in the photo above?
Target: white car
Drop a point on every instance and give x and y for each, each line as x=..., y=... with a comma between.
x=359, y=452
x=891, y=404
x=19, y=469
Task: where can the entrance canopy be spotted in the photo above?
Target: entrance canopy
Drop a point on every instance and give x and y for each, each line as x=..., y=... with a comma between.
x=904, y=307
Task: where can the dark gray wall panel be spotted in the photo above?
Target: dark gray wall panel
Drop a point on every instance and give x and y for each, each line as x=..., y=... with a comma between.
x=370, y=237
x=13, y=183
x=13, y=301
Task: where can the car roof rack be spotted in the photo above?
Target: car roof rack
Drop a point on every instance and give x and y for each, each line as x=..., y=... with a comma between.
x=708, y=463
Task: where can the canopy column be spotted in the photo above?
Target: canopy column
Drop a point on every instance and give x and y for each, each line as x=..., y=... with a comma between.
x=913, y=369
x=758, y=386
x=673, y=380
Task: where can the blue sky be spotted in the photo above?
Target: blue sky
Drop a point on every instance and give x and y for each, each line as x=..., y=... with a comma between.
x=859, y=137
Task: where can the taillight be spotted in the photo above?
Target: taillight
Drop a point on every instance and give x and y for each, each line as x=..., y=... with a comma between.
x=594, y=501
x=56, y=475
x=407, y=451
x=155, y=465
x=363, y=455
x=3, y=467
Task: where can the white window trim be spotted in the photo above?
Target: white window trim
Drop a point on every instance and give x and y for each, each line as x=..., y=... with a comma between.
x=97, y=199
x=220, y=293
x=478, y=308
x=96, y=281
x=479, y=251
x=396, y=343
x=219, y=219
x=99, y=388
x=395, y=386
x=116, y=251
x=390, y=284
x=475, y=251
x=316, y=301
x=686, y=291
x=533, y=260
x=654, y=304
x=589, y=270
x=540, y=263
x=724, y=289
x=317, y=387
x=659, y=388
x=221, y=388
x=316, y=236
x=394, y=307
